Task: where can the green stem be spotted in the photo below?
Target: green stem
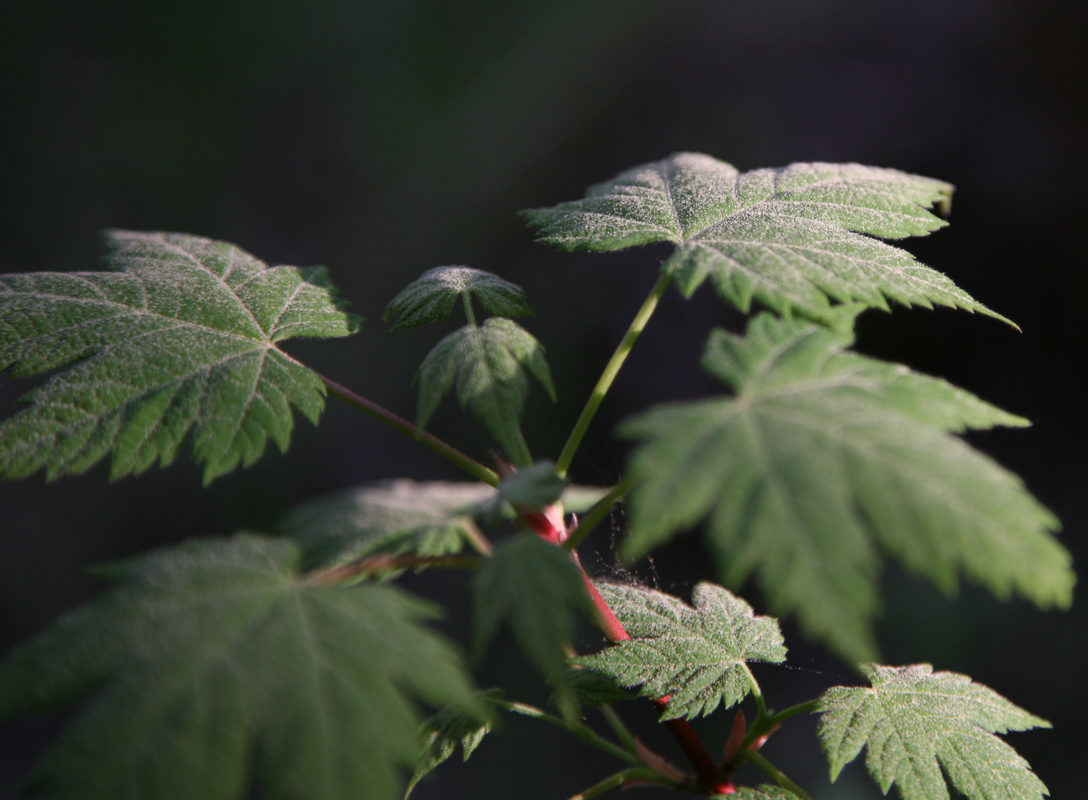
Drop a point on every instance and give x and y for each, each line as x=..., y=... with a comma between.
x=757, y=693
x=521, y=458
x=618, y=728
x=611, y=369
x=583, y=732
x=764, y=724
x=466, y=299
x=431, y=442
x=800, y=708
x=598, y=512
x=775, y=773
x=475, y=537
x=613, y=781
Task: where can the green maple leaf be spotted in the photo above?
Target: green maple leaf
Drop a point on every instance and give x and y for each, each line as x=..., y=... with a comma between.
x=431, y=297
x=914, y=722
x=180, y=338
x=442, y=733
x=487, y=363
x=592, y=689
x=695, y=653
x=217, y=662
x=788, y=237
x=400, y=517
x=824, y=456
x=538, y=587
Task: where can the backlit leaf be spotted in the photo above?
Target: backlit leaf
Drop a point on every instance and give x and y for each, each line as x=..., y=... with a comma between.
x=179, y=339
x=217, y=664
x=393, y=518
x=431, y=297
x=537, y=587
x=695, y=653
x=789, y=237
x=442, y=733
x=914, y=722
x=487, y=364
x=821, y=459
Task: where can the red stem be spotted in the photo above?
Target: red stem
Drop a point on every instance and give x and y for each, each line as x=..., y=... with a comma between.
x=707, y=771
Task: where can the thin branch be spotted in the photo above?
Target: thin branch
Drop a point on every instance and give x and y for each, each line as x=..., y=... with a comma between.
x=764, y=726
x=431, y=442
x=614, y=781
x=611, y=370
x=475, y=537
x=583, y=732
x=775, y=774
x=618, y=727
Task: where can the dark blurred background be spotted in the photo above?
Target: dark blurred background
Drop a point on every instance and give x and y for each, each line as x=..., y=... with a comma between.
x=385, y=138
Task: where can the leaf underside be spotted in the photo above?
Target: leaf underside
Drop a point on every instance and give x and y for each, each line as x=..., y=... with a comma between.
x=537, y=587
x=399, y=517
x=442, y=733
x=431, y=297
x=821, y=459
x=487, y=364
x=695, y=653
x=913, y=722
x=794, y=238
x=180, y=338
x=593, y=689
x=213, y=664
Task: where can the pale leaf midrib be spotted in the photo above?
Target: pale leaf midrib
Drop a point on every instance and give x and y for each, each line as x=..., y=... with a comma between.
x=123, y=311
x=219, y=278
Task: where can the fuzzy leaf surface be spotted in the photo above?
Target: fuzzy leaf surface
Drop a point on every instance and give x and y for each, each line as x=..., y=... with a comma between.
x=431, y=297
x=399, y=517
x=180, y=338
x=442, y=733
x=537, y=587
x=593, y=689
x=821, y=459
x=214, y=664
x=791, y=237
x=695, y=653
x=913, y=722
x=488, y=365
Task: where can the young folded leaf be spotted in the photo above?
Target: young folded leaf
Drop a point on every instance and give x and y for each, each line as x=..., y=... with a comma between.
x=787, y=237
x=441, y=735
x=181, y=337
x=824, y=455
x=401, y=517
x=214, y=664
x=695, y=653
x=431, y=297
x=487, y=363
x=914, y=722
x=537, y=586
